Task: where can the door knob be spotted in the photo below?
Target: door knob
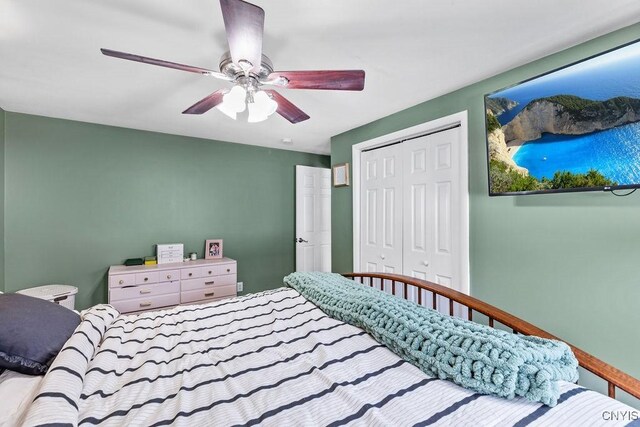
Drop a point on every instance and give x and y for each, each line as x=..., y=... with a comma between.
x=425, y=263
x=300, y=240
x=382, y=257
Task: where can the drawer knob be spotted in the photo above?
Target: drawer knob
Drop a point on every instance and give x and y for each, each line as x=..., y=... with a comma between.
x=146, y=279
x=209, y=271
x=190, y=274
x=145, y=304
x=210, y=283
x=168, y=276
x=121, y=282
x=228, y=270
x=209, y=294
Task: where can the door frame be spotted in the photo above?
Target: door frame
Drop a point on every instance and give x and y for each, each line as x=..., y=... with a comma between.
x=318, y=209
x=441, y=123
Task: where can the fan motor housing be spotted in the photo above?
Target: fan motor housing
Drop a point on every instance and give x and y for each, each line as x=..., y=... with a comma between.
x=229, y=68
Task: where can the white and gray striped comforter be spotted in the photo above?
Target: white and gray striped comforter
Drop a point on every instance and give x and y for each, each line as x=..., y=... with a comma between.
x=271, y=359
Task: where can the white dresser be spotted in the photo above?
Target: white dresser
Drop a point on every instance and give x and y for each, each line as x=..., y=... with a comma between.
x=149, y=287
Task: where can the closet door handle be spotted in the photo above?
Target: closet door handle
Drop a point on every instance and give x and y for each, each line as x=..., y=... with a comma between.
x=425, y=263
x=382, y=256
x=300, y=240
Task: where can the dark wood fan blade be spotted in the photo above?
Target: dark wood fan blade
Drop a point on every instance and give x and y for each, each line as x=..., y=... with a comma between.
x=323, y=80
x=161, y=63
x=205, y=104
x=287, y=109
x=244, y=23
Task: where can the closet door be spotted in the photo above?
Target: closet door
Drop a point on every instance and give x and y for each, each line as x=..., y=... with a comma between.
x=381, y=210
x=431, y=248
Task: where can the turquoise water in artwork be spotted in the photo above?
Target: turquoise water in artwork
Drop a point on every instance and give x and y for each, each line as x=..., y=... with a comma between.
x=615, y=153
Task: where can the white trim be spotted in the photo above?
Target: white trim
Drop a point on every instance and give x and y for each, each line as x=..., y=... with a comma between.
x=461, y=119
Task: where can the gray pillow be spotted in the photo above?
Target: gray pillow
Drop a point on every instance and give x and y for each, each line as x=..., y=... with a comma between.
x=32, y=332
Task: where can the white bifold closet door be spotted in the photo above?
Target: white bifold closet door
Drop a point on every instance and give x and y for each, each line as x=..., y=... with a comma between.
x=381, y=207
x=410, y=207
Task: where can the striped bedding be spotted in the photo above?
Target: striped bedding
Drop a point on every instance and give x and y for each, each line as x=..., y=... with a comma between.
x=271, y=358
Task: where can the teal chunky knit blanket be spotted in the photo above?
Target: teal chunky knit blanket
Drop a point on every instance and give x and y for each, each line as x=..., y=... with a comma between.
x=478, y=357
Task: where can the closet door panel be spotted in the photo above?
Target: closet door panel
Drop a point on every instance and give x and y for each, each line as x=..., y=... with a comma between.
x=417, y=221
x=431, y=189
x=446, y=210
x=381, y=210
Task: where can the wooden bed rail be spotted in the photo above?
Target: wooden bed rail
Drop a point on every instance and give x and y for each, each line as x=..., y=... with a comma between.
x=613, y=376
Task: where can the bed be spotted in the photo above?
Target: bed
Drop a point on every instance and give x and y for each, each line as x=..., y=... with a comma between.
x=274, y=358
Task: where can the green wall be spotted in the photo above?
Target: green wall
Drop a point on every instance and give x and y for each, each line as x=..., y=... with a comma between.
x=568, y=263
x=81, y=197
x=2, y=115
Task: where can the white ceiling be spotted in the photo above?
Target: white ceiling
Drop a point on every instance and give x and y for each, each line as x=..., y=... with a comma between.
x=411, y=50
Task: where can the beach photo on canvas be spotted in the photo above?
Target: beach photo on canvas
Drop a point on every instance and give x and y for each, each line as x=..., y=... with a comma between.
x=574, y=128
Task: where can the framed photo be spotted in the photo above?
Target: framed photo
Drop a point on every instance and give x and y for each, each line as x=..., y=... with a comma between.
x=170, y=253
x=213, y=249
x=341, y=175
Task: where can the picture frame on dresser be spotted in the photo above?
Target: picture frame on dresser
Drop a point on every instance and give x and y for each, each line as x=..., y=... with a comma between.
x=213, y=249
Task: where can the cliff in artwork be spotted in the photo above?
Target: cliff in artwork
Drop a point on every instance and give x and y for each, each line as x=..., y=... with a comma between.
x=570, y=115
x=499, y=105
x=498, y=149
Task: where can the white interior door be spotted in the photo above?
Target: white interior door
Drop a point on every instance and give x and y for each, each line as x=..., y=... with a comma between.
x=381, y=208
x=432, y=194
x=313, y=219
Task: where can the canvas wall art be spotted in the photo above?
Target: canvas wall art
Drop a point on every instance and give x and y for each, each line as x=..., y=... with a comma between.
x=573, y=129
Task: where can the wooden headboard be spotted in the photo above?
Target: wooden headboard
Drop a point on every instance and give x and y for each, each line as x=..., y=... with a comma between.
x=614, y=377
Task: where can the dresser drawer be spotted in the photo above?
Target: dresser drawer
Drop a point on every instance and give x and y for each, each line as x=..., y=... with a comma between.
x=208, y=294
x=142, y=291
x=168, y=276
x=146, y=303
x=226, y=269
x=191, y=273
x=208, y=271
x=120, y=280
x=208, y=282
x=147, y=277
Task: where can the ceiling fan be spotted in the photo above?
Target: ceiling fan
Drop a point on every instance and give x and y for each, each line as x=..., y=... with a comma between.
x=248, y=68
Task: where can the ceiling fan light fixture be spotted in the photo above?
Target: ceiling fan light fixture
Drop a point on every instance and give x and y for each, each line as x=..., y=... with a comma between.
x=248, y=68
x=233, y=102
x=261, y=107
x=224, y=109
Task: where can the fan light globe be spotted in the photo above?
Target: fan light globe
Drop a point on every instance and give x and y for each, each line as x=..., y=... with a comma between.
x=261, y=107
x=233, y=102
